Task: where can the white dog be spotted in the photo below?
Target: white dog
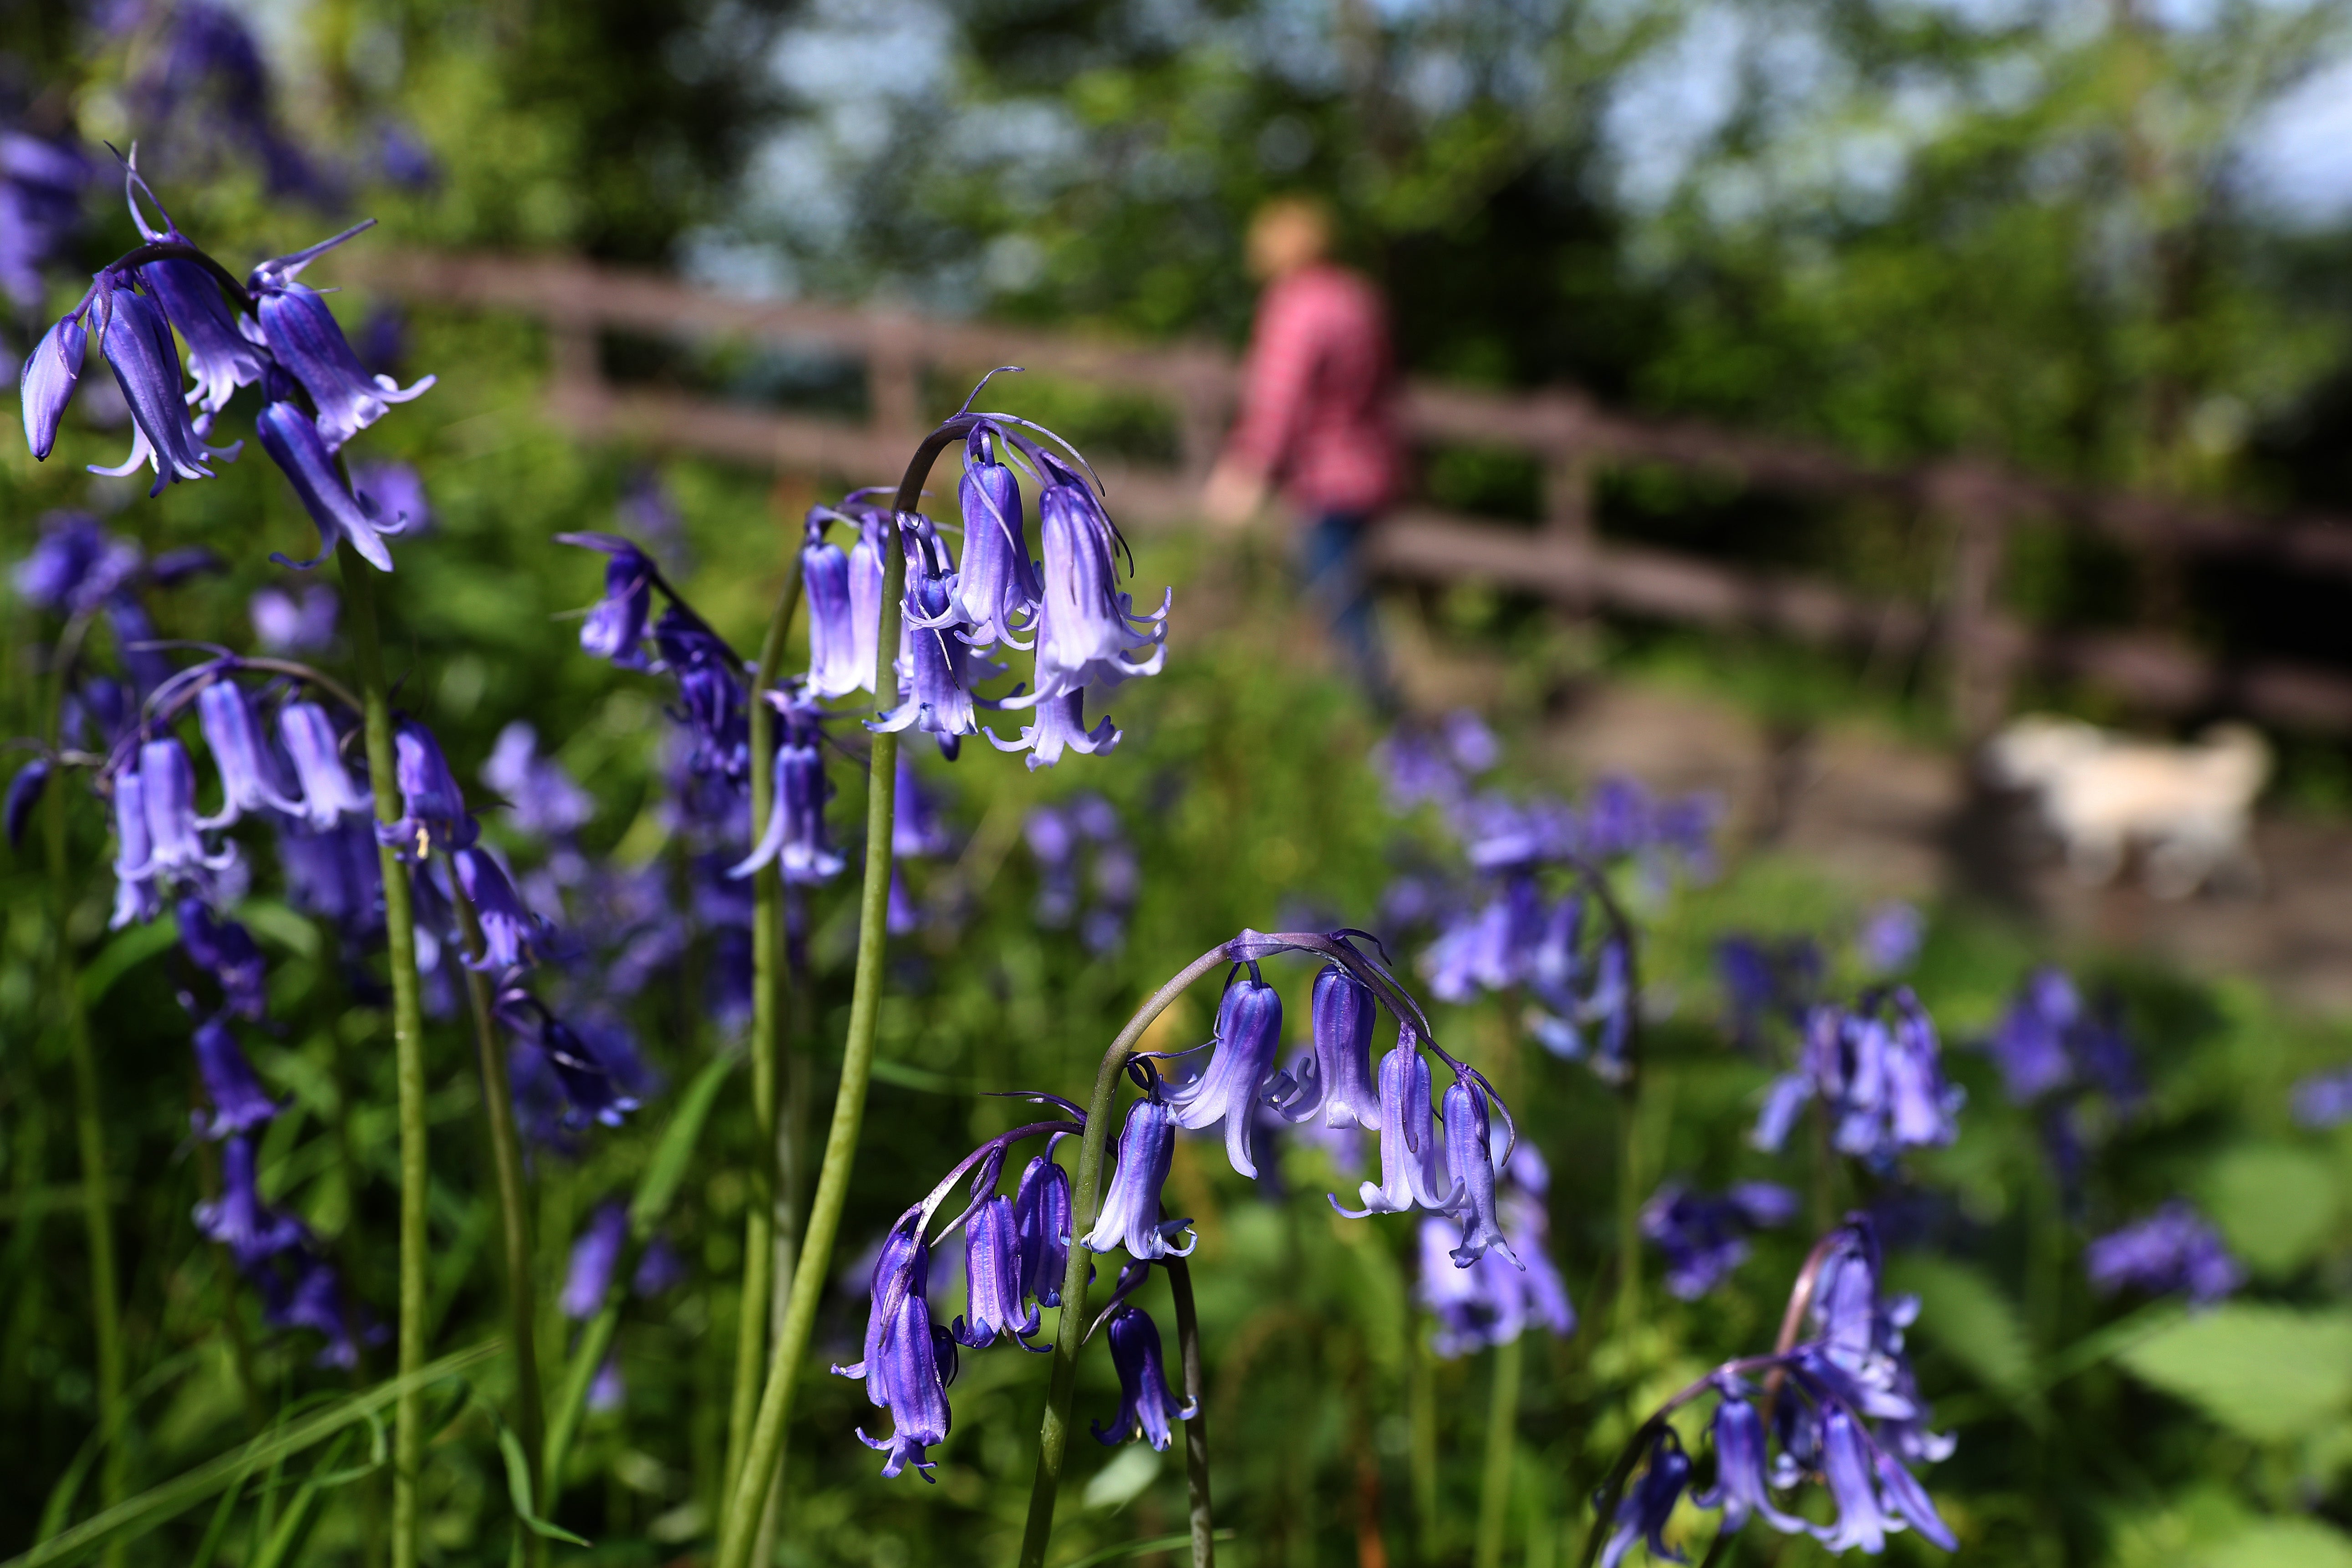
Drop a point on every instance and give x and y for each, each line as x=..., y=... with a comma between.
x=2190, y=807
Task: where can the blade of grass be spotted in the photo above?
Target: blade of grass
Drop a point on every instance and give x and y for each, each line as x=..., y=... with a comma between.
x=135, y=1516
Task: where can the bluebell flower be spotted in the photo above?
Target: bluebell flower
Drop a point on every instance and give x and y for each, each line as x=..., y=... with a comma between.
x=46, y=386
x=834, y=644
x=135, y=894
x=1130, y=1204
x=996, y=581
x=75, y=566
x=1649, y=1503
x=1495, y=1299
x=176, y=846
x=1041, y=1217
x=1875, y=1066
x=907, y=1360
x=709, y=694
x=541, y=794
x=1766, y=983
x=294, y=444
x=390, y=488
x=1490, y=949
x=941, y=669
x=1704, y=1238
x=137, y=342
x=220, y=356
x=2322, y=1100
x=1470, y=1161
x=1087, y=631
x=1414, y=769
x=305, y=338
x=2029, y=1043
x=595, y=1254
x=329, y=795
x=877, y=532
x=659, y=1268
x=587, y=1082
x=917, y=828
x=247, y=768
x=433, y=809
x=615, y=627
x=1411, y=1175
x=1060, y=725
x=1889, y=940
x=1741, y=1485
x=25, y=791
x=1146, y=1403
x=225, y=950
x=1336, y=1081
x=313, y=1300
x=1846, y=1467
x=238, y=1220
x=1053, y=840
x=1248, y=1033
x=992, y=1277
x=286, y=623
x=511, y=934
x=41, y=183
x=2173, y=1250
x=239, y=1102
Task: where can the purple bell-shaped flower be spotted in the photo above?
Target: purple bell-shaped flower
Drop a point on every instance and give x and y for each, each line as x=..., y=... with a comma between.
x=1249, y=1030
x=1146, y=1403
x=1131, y=1206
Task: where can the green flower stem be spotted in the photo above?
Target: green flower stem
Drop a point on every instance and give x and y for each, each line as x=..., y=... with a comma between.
x=1196, y=1430
x=1629, y=1207
x=90, y=1121
x=1502, y=1444
x=739, y=1521
x=760, y=1274
x=514, y=1220
x=587, y=1357
x=408, y=1046
x=1086, y=1203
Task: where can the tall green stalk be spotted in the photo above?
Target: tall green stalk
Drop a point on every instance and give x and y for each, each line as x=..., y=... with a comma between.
x=760, y=1273
x=1502, y=1446
x=1196, y=1430
x=1086, y=1203
x=514, y=1220
x=89, y=1123
x=740, y=1520
x=408, y=1046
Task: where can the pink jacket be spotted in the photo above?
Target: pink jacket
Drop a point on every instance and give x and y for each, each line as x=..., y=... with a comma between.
x=1319, y=395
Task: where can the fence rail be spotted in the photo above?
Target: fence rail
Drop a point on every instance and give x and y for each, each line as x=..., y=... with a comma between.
x=1570, y=435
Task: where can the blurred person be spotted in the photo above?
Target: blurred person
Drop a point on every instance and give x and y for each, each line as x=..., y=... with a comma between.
x=1318, y=417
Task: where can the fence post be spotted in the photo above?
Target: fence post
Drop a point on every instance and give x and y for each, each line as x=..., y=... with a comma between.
x=894, y=379
x=1977, y=654
x=1203, y=399
x=577, y=394
x=1570, y=468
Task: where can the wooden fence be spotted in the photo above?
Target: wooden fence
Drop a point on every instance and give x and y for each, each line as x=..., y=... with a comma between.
x=1574, y=439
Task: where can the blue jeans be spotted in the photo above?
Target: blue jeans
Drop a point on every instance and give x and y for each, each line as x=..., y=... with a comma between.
x=1332, y=573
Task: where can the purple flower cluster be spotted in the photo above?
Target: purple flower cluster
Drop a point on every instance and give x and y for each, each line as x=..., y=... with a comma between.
x=1086, y=869
x=272, y=331
x=1874, y=1070
x=2049, y=1039
x=2325, y=1098
x=1498, y=929
x=41, y=183
x=2173, y=1250
x=1843, y=1408
x=1491, y=1302
x=1704, y=1237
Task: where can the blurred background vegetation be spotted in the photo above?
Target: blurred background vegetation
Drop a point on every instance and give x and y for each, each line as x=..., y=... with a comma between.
x=2099, y=240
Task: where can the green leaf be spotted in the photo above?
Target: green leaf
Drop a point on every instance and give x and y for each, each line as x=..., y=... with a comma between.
x=1138, y=1547
x=125, y=954
x=2268, y=1373
x=2275, y=1204
x=668, y=1168
x=1966, y=1315
x=2280, y=1543
x=135, y=1516
x=277, y=921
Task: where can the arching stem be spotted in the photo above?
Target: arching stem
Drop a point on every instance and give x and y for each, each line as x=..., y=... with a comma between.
x=1086, y=1203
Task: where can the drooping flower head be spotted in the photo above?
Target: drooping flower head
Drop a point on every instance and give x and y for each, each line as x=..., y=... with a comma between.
x=433, y=808
x=908, y=1359
x=615, y=628
x=304, y=339
x=996, y=581
x=1130, y=1205
x=795, y=834
x=1146, y=1403
x=248, y=770
x=2173, y=1251
x=1875, y=1066
x=239, y=1103
x=226, y=950
x=1704, y=1237
x=1241, y=1070
x=329, y=795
